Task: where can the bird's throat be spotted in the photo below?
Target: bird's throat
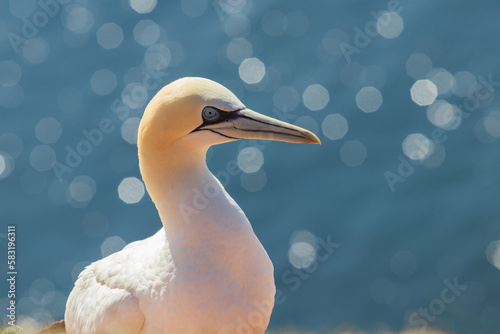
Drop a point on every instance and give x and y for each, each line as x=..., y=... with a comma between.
x=189, y=198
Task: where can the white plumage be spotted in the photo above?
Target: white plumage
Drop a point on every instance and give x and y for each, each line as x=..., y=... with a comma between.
x=205, y=271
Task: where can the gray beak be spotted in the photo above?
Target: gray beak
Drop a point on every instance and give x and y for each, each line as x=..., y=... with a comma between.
x=248, y=124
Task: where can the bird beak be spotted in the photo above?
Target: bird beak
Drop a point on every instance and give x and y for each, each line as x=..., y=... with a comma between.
x=248, y=124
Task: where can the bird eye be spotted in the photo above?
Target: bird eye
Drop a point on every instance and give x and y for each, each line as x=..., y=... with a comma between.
x=210, y=114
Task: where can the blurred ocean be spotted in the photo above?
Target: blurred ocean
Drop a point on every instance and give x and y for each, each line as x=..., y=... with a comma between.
x=393, y=222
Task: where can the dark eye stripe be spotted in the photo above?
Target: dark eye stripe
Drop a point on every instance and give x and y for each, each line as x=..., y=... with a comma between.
x=223, y=117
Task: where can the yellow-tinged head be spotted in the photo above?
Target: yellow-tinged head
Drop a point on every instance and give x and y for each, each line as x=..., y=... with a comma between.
x=203, y=109
x=188, y=116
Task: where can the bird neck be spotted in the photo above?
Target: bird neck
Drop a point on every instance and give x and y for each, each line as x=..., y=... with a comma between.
x=192, y=203
x=169, y=171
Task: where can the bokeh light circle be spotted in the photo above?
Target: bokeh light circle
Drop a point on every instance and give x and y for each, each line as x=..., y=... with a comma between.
x=416, y=146
x=143, y=6
x=48, y=130
x=10, y=73
x=250, y=159
x=424, y=92
x=444, y=115
x=36, y=50
x=334, y=126
x=194, y=8
x=11, y=144
x=238, y=50
x=103, y=82
x=131, y=190
x=110, y=35
x=82, y=189
x=253, y=182
x=112, y=245
x=333, y=40
x=129, y=129
x=369, y=99
x=443, y=80
x=77, y=19
x=301, y=255
x=252, y=70
x=315, y=97
x=158, y=57
x=6, y=165
x=390, y=25
x=11, y=97
x=418, y=65
x=237, y=25
x=353, y=153
x=146, y=32
x=42, y=157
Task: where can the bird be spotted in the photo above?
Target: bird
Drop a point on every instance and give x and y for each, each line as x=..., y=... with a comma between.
x=205, y=271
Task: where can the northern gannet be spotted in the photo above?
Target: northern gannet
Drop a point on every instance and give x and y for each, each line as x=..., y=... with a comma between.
x=205, y=271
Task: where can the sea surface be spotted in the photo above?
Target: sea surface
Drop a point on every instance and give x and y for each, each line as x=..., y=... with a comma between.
x=393, y=222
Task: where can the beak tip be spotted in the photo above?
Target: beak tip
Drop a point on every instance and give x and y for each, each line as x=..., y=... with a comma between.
x=313, y=139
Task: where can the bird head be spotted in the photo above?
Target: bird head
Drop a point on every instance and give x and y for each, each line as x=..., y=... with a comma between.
x=200, y=112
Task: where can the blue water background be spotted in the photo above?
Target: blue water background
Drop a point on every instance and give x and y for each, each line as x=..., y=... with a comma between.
x=443, y=220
